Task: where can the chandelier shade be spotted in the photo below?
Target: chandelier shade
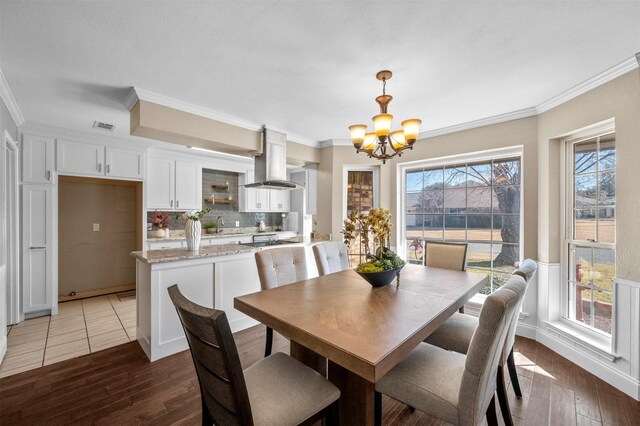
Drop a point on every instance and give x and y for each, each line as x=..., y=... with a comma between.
x=376, y=143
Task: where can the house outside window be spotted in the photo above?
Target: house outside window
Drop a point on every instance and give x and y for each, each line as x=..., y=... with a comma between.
x=477, y=202
x=590, y=236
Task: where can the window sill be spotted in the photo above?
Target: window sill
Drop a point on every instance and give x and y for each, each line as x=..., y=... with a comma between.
x=600, y=345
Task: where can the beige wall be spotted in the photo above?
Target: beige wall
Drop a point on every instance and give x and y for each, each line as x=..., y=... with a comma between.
x=512, y=133
x=618, y=99
x=89, y=260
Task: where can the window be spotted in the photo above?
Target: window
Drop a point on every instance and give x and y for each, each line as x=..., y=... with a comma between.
x=473, y=202
x=361, y=196
x=590, y=234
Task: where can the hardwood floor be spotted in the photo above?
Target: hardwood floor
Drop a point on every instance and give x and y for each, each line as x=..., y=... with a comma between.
x=119, y=386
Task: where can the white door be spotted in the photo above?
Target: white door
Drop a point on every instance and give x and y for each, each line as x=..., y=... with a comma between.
x=36, y=247
x=80, y=158
x=37, y=159
x=123, y=163
x=188, y=186
x=160, y=184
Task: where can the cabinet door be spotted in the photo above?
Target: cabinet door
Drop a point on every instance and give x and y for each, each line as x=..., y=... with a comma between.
x=247, y=195
x=124, y=163
x=37, y=260
x=80, y=158
x=280, y=200
x=160, y=184
x=37, y=159
x=262, y=200
x=188, y=186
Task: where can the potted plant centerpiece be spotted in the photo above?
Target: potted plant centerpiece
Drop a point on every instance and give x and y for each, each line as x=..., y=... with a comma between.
x=193, y=228
x=382, y=264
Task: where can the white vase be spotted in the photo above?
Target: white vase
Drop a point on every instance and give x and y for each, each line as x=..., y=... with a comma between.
x=192, y=231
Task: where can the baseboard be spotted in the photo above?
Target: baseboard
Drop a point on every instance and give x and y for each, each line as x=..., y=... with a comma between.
x=97, y=292
x=615, y=378
x=3, y=346
x=526, y=330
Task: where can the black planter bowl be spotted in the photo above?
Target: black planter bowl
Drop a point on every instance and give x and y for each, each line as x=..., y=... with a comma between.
x=382, y=278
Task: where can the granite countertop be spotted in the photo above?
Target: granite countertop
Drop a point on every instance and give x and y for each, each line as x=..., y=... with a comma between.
x=180, y=236
x=177, y=254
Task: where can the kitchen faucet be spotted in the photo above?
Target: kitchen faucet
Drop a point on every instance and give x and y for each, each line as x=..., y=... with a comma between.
x=219, y=224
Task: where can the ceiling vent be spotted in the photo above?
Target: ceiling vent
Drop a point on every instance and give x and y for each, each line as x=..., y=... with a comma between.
x=103, y=126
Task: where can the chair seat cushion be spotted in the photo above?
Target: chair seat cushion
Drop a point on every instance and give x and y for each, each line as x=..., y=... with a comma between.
x=455, y=334
x=429, y=380
x=283, y=391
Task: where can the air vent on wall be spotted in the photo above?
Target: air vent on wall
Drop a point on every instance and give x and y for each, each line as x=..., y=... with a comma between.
x=103, y=126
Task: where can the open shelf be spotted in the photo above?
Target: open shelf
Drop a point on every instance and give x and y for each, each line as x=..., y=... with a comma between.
x=216, y=201
x=223, y=187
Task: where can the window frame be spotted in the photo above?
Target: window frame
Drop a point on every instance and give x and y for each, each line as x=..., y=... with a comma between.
x=567, y=231
x=473, y=157
x=346, y=168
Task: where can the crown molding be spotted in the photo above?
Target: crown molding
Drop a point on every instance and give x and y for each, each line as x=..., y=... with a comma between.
x=10, y=101
x=595, y=81
x=487, y=121
x=137, y=93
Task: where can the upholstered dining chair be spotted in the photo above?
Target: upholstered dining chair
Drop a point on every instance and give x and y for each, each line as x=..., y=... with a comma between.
x=456, y=334
x=454, y=387
x=277, y=390
x=331, y=256
x=446, y=256
x=280, y=266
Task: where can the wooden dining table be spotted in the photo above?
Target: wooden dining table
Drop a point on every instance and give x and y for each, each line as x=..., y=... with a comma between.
x=362, y=331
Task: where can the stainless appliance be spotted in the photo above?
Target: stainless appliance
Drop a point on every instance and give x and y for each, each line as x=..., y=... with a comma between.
x=271, y=166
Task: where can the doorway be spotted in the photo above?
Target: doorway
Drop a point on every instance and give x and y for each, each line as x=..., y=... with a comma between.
x=12, y=276
x=98, y=227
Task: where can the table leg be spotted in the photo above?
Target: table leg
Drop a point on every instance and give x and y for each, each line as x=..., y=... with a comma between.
x=356, y=403
x=308, y=357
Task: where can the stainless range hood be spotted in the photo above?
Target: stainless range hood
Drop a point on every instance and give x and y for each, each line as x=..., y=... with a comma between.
x=271, y=166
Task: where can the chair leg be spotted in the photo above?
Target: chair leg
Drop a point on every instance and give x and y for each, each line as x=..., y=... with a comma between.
x=269, y=343
x=377, y=404
x=502, y=397
x=492, y=417
x=513, y=373
x=206, y=417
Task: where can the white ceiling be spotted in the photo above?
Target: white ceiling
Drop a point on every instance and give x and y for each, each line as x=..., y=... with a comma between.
x=307, y=67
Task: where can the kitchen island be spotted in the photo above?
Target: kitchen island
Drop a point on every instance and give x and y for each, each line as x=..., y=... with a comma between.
x=211, y=277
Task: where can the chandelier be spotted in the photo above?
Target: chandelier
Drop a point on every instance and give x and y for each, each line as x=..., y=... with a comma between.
x=382, y=143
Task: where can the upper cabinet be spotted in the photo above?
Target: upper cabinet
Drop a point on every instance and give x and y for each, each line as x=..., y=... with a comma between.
x=279, y=200
x=173, y=185
x=89, y=159
x=260, y=199
x=37, y=159
x=309, y=179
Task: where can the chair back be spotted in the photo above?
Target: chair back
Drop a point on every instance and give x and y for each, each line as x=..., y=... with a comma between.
x=446, y=255
x=485, y=351
x=215, y=356
x=331, y=257
x=281, y=266
x=527, y=269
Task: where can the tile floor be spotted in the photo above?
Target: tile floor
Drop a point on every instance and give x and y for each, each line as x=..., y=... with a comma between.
x=80, y=327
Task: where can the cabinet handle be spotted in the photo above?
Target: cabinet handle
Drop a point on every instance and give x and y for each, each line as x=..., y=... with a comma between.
x=108, y=168
x=171, y=203
x=37, y=248
x=49, y=175
x=177, y=204
x=100, y=167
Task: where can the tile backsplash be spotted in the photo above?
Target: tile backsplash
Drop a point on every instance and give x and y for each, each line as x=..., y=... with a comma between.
x=229, y=212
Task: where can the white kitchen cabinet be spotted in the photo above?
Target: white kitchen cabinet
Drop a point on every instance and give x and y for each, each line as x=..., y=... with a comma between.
x=80, y=158
x=89, y=159
x=37, y=159
x=253, y=199
x=279, y=200
x=173, y=185
x=124, y=163
x=37, y=250
x=188, y=186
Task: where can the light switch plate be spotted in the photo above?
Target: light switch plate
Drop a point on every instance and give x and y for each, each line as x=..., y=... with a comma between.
x=96, y=226
x=237, y=223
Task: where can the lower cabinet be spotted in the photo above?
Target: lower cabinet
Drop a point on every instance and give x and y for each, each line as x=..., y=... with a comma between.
x=37, y=250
